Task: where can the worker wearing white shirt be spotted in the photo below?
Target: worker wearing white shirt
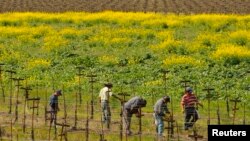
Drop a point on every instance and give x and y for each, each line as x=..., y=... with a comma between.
x=104, y=95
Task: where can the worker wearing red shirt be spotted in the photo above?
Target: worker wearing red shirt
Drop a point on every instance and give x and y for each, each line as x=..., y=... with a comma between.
x=188, y=104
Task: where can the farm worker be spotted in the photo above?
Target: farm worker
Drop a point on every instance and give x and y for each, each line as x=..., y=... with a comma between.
x=104, y=96
x=132, y=107
x=160, y=110
x=54, y=104
x=188, y=104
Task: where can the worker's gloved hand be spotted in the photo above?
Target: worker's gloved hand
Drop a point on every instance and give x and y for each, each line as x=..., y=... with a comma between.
x=183, y=111
x=201, y=105
x=137, y=115
x=161, y=114
x=166, y=117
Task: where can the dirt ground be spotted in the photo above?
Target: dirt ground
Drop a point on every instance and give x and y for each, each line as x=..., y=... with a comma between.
x=165, y=6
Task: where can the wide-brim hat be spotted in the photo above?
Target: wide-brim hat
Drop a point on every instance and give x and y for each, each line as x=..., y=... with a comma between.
x=108, y=84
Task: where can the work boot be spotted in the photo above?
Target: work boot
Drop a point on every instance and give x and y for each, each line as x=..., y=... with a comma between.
x=160, y=137
x=128, y=132
x=190, y=125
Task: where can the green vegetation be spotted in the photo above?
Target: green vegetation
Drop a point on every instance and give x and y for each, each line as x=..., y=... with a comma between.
x=130, y=50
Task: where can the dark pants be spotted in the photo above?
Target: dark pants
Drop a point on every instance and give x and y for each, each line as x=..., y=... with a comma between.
x=53, y=112
x=190, y=112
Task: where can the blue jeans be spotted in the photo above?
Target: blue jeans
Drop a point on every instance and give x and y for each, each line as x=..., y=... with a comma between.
x=159, y=125
x=105, y=112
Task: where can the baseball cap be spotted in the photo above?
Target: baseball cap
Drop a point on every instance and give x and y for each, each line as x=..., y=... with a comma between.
x=167, y=98
x=59, y=92
x=189, y=89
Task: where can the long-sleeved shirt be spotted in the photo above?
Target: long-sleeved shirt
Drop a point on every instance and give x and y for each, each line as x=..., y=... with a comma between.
x=54, y=101
x=160, y=107
x=133, y=103
x=105, y=93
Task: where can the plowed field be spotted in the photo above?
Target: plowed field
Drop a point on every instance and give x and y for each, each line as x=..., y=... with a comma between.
x=166, y=6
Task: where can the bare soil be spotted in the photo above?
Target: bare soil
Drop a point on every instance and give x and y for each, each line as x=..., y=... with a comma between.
x=164, y=6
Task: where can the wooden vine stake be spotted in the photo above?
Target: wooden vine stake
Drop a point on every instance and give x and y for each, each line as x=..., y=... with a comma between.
x=122, y=101
x=208, y=96
x=79, y=74
x=235, y=108
x=171, y=120
x=1, y=82
x=64, y=125
x=92, y=81
x=11, y=89
x=34, y=106
x=17, y=95
x=26, y=97
x=195, y=135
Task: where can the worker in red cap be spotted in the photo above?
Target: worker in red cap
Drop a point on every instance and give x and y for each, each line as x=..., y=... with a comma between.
x=188, y=104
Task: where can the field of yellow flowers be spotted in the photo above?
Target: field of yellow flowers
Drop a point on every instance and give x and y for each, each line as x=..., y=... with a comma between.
x=131, y=50
x=38, y=44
